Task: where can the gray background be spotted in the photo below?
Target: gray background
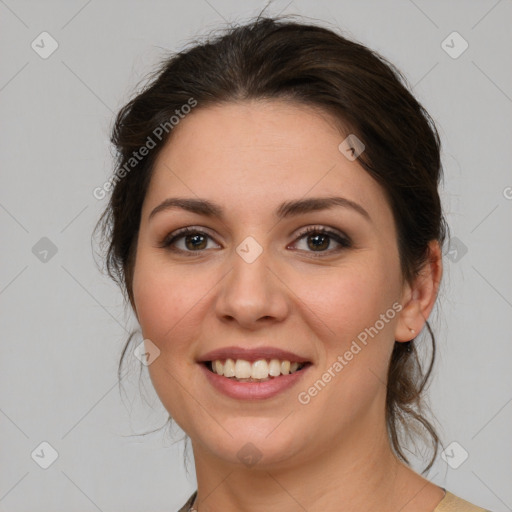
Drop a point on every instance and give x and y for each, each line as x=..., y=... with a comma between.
x=63, y=323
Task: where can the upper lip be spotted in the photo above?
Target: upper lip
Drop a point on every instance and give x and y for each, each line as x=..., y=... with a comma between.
x=251, y=354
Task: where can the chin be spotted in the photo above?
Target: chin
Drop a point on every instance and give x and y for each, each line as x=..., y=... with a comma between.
x=255, y=444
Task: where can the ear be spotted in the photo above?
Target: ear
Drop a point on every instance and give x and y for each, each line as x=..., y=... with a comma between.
x=419, y=297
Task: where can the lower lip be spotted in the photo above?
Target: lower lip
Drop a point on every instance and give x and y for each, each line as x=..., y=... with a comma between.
x=252, y=390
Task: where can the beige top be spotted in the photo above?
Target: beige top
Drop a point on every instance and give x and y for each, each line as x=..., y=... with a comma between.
x=450, y=503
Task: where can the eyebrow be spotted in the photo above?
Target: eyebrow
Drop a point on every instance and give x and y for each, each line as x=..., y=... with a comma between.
x=286, y=209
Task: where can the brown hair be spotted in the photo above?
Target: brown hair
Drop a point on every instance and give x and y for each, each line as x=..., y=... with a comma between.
x=281, y=59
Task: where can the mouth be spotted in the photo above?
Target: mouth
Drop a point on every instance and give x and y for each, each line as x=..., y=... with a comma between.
x=253, y=373
x=260, y=370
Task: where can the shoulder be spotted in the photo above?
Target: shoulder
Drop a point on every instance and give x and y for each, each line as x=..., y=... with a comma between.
x=187, y=505
x=452, y=503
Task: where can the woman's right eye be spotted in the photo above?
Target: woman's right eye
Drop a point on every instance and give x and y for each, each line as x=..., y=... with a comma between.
x=187, y=241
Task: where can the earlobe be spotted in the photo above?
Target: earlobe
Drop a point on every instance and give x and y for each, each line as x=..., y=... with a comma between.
x=420, y=296
x=410, y=320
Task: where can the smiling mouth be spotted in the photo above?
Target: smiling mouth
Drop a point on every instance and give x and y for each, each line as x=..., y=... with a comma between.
x=261, y=370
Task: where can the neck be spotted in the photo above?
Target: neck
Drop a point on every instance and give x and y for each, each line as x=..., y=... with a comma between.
x=359, y=474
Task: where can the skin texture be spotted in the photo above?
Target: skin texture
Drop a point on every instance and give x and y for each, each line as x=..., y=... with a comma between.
x=333, y=453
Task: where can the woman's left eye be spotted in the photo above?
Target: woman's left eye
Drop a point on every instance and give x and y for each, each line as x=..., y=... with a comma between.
x=319, y=239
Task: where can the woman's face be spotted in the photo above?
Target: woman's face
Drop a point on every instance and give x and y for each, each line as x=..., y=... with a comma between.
x=250, y=282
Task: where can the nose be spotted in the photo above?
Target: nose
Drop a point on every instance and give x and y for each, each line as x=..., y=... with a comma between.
x=252, y=294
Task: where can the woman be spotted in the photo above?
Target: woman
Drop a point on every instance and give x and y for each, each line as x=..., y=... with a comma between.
x=276, y=225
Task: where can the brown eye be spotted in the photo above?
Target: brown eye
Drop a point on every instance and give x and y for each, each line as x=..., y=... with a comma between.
x=195, y=242
x=187, y=241
x=320, y=240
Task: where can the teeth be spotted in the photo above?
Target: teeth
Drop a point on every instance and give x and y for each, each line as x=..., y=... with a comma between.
x=218, y=367
x=258, y=370
x=242, y=369
x=274, y=368
x=229, y=367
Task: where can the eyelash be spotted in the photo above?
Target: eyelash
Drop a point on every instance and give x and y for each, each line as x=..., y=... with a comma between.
x=343, y=240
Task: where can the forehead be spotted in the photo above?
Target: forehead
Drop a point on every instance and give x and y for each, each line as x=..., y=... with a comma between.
x=260, y=153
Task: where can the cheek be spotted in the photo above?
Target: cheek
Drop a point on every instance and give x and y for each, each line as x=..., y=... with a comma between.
x=356, y=335
x=165, y=297
x=167, y=308
x=351, y=299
